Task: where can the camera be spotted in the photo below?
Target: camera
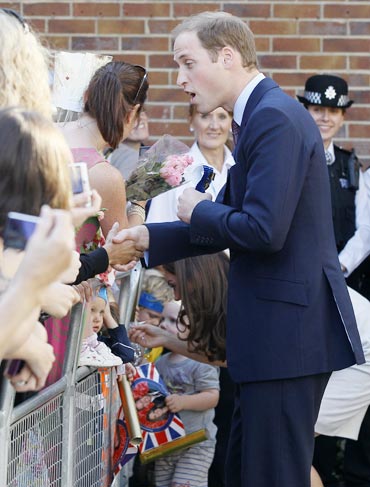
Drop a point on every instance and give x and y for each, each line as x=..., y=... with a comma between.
x=80, y=179
x=18, y=229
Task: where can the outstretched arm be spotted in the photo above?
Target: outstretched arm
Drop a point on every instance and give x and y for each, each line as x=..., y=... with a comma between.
x=153, y=336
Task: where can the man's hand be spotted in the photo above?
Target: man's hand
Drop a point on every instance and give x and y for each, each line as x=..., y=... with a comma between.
x=187, y=201
x=121, y=251
x=139, y=235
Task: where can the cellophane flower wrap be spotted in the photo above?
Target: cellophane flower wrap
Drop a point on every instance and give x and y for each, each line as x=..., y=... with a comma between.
x=159, y=169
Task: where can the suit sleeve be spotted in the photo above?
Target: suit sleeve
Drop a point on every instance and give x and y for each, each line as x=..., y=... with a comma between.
x=274, y=161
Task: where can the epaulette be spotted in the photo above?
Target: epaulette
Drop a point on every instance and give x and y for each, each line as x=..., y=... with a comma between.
x=346, y=151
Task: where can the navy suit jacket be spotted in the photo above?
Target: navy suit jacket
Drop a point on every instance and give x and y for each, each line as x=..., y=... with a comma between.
x=289, y=312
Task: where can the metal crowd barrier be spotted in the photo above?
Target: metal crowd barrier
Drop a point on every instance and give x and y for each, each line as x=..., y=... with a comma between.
x=64, y=435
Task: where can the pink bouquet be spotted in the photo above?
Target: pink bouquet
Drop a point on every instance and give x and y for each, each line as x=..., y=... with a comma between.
x=160, y=169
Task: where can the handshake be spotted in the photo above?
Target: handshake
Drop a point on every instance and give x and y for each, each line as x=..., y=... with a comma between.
x=126, y=247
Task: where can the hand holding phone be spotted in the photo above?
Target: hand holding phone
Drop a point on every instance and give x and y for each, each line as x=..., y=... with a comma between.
x=18, y=229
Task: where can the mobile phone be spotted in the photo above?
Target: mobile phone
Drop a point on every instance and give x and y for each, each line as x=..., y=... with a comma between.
x=18, y=229
x=80, y=179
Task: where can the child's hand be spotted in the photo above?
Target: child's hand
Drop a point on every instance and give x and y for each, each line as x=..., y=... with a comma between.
x=175, y=403
x=130, y=371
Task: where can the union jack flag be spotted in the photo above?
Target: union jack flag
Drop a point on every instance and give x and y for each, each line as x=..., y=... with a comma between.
x=123, y=449
x=158, y=424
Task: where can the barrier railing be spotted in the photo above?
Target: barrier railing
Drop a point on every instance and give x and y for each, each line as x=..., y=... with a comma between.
x=64, y=435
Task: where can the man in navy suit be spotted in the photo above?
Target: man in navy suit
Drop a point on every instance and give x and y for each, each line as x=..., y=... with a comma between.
x=290, y=320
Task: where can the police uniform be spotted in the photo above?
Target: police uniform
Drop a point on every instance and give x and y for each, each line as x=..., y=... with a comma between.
x=351, y=219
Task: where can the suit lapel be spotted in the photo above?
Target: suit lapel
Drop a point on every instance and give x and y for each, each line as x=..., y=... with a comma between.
x=265, y=85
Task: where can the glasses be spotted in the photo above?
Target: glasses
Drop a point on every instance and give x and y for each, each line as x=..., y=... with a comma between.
x=143, y=79
x=17, y=16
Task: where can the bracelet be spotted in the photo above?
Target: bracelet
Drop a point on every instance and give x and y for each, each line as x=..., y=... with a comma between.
x=136, y=209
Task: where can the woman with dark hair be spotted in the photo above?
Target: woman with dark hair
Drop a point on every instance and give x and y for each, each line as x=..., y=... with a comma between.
x=113, y=100
x=201, y=283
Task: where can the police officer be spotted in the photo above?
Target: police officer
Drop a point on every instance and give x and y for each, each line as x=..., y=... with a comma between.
x=326, y=98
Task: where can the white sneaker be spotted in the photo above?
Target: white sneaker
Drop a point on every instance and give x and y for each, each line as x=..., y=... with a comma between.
x=90, y=358
x=104, y=351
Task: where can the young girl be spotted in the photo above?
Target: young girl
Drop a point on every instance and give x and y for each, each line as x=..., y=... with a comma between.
x=194, y=393
x=98, y=350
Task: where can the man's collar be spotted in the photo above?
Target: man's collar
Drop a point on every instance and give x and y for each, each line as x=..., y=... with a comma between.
x=244, y=96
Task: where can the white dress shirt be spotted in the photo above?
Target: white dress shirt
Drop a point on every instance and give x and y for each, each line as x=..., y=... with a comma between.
x=163, y=208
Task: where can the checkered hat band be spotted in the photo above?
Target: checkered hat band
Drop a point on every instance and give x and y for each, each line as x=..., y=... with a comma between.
x=313, y=97
x=343, y=101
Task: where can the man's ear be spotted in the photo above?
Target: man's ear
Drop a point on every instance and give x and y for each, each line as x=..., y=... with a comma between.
x=228, y=56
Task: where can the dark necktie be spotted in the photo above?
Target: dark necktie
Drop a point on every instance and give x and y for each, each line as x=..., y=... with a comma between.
x=236, y=130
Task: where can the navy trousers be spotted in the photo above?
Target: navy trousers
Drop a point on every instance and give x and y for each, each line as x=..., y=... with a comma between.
x=272, y=435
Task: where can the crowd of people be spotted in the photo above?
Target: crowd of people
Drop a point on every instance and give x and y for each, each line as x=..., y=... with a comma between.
x=255, y=307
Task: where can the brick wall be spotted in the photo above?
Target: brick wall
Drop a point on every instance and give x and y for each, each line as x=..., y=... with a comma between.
x=295, y=38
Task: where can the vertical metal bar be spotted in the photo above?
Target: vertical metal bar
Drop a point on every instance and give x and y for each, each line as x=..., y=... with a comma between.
x=75, y=333
x=7, y=394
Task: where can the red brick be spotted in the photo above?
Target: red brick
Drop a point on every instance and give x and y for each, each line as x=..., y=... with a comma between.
x=162, y=26
x=359, y=114
x=184, y=9
x=169, y=94
x=95, y=43
x=162, y=112
x=13, y=5
x=359, y=28
x=181, y=112
x=145, y=43
x=262, y=44
x=57, y=42
x=150, y=9
x=158, y=77
x=46, y=9
x=71, y=26
x=359, y=62
x=246, y=12
x=92, y=9
x=358, y=80
x=38, y=25
x=173, y=128
x=350, y=11
x=272, y=27
x=296, y=11
x=278, y=61
x=361, y=96
x=363, y=146
x=321, y=62
x=128, y=26
x=162, y=61
x=346, y=45
x=295, y=44
x=322, y=28
x=130, y=57
x=359, y=131
x=295, y=79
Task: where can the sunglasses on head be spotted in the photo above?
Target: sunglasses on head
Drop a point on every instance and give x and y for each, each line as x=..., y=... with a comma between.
x=17, y=16
x=144, y=77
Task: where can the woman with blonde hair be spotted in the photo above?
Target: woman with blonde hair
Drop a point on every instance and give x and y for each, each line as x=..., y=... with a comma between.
x=24, y=75
x=33, y=173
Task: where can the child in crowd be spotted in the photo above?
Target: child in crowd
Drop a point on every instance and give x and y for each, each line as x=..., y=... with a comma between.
x=155, y=293
x=194, y=389
x=110, y=349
